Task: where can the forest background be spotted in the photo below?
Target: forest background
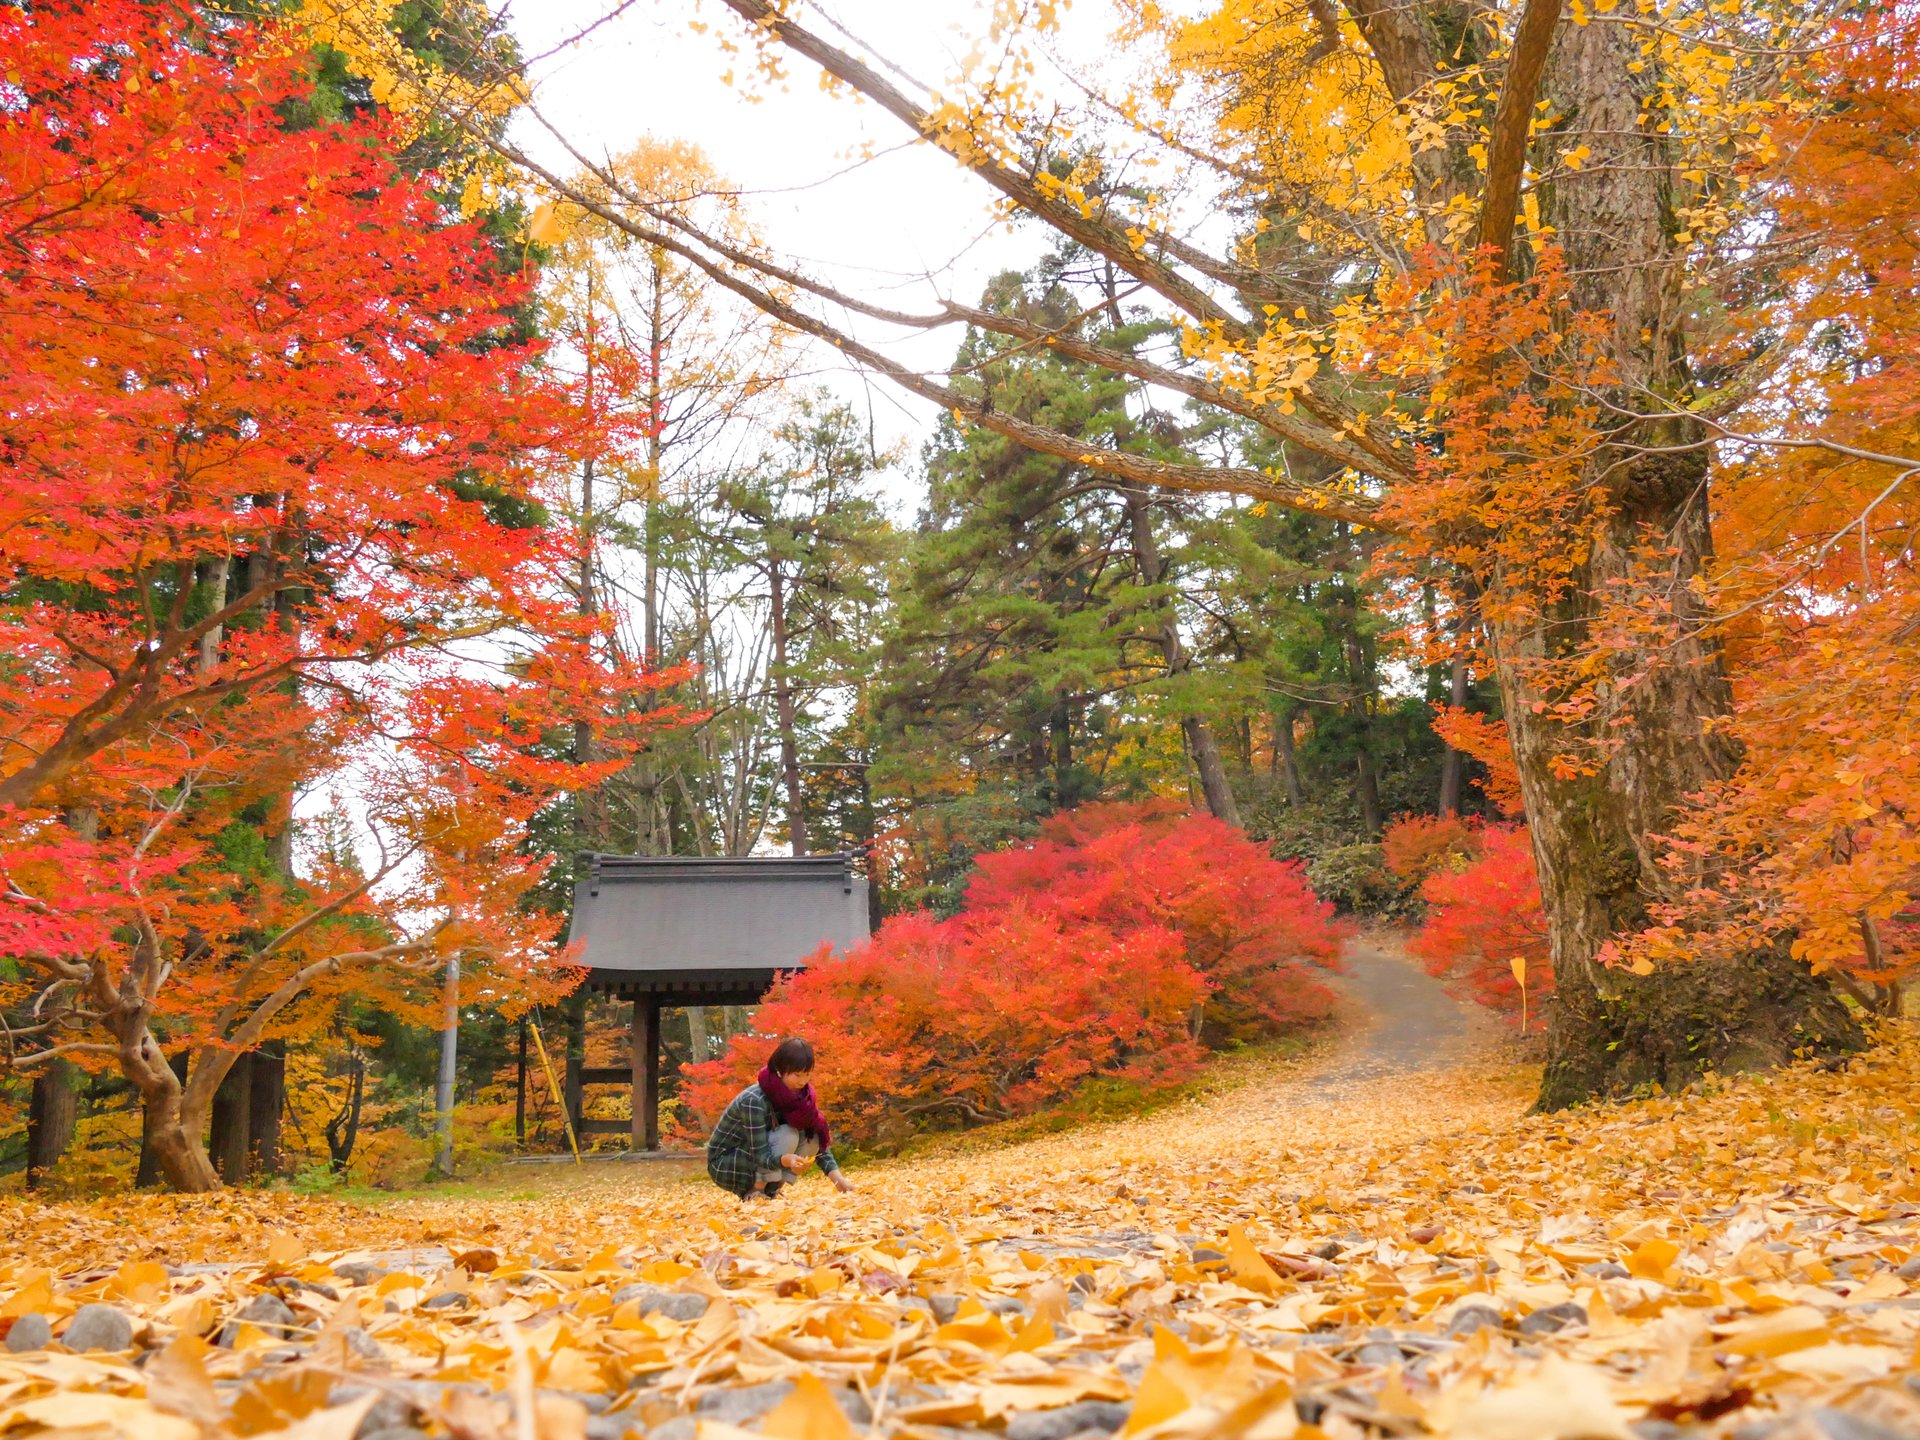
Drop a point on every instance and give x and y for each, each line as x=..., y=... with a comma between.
x=742, y=640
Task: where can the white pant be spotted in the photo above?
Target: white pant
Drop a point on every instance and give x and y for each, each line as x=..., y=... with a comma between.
x=785, y=1140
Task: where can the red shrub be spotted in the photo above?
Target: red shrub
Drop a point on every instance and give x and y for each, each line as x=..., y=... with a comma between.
x=1249, y=923
x=1091, y=953
x=1480, y=917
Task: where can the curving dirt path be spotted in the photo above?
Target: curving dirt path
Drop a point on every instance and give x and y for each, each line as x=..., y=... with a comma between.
x=1403, y=1021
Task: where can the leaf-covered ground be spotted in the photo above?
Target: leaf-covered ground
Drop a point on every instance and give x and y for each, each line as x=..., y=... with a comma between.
x=1382, y=1243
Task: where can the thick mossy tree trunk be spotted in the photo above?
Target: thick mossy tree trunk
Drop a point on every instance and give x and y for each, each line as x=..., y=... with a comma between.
x=1653, y=735
x=1612, y=1032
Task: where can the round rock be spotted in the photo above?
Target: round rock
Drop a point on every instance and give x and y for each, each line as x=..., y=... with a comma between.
x=267, y=1313
x=1470, y=1318
x=1549, y=1318
x=29, y=1332
x=97, y=1327
x=652, y=1300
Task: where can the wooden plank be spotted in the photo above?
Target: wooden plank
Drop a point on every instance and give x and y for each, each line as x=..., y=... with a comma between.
x=602, y=1127
x=604, y=1074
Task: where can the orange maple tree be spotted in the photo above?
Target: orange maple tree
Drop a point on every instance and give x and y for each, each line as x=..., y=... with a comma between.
x=1814, y=844
x=271, y=480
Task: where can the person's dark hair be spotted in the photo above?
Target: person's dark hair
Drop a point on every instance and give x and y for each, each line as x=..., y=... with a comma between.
x=791, y=1056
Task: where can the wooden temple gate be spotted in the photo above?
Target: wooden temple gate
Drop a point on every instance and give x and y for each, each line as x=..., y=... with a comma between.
x=668, y=931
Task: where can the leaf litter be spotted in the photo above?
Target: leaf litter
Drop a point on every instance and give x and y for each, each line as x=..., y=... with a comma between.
x=1405, y=1255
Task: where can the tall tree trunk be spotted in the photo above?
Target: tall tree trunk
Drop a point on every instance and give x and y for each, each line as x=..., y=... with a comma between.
x=590, y=804
x=1659, y=736
x=265, y=1104
x=698, y=1040
x=1285, y=758
x=1366, y=781
x=52, y=1110
x=1453, y=764
x=1366, y=786
x=786, y=713
x=232, y=1122
x=1151, y=568
x=1060, y=725
x=654, y=832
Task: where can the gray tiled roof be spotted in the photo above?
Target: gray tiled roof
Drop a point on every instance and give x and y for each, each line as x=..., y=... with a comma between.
x=725, y=922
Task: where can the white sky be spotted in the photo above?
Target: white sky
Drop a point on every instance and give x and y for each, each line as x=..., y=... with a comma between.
x=876, y=228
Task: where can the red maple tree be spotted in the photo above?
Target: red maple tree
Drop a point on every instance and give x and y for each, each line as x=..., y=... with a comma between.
x=272, y=466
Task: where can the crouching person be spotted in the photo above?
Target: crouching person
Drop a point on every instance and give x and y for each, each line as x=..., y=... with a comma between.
x=773, y=1129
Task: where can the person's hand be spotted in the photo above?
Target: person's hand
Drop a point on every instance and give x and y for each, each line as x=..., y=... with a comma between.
x=844, y=1185
x=795, y=1163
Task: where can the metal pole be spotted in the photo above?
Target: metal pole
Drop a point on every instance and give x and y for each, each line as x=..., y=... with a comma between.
x=449, y=1053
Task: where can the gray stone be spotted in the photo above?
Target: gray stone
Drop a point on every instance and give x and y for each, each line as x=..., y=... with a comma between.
x=359, y=1272
x=1207, y=1255
x=1378, y=1352
x=267, y=1313
x=612, y=1427
x=680, y=1427
x=1329, y=1251
x=389, y=1412
x=446, y=1300
x=1656, y=1429
x=98, y=1327
x=360, y=1343
x=742, y=1403
x=1004, y=1304
x=1833, y=1424
x=944, y=1307
x=1549, y=1318
x=1083, y=1283
x=29, y=1332
x=1910, y=1269
x=1607, y=1270
x=674, y=1304
x=1470, y=1318
x=391, y=1432
x=1104, y=1416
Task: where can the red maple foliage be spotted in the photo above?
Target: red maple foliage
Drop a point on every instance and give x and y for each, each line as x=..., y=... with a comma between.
x=1251, y=925
x=1482, y=913
x=272, y=473
x=1109, y=948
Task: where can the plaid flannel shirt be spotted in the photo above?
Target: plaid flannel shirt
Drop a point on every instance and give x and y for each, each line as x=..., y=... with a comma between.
x=740, y=1147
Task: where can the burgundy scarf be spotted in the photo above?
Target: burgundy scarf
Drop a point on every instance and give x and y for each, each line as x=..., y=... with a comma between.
x=796, y=1107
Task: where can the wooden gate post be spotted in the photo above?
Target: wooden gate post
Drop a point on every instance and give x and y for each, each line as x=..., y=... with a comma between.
x=645, y=1036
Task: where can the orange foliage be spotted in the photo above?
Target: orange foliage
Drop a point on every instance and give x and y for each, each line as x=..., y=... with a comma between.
x=1485, y=739
x=1815, y=841
x=1414, y=846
